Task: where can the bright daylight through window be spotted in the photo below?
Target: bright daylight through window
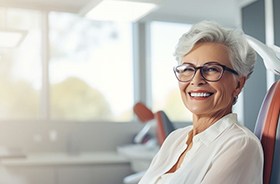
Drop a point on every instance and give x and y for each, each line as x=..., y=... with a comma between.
x=90, y=69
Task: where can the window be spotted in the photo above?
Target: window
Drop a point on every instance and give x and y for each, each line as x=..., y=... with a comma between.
x=90, y=69
x=165, y=91
x=90, y=73
x=20, y=67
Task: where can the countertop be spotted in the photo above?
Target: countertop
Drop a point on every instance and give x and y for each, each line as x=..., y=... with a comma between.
x=43, y=159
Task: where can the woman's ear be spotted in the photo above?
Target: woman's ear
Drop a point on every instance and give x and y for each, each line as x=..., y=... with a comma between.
x=240, y=84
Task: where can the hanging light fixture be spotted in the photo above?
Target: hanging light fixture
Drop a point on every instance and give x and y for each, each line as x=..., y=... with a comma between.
x=9, y=38
x=119, y=10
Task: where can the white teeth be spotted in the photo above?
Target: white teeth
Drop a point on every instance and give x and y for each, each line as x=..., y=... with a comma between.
x=200, y=94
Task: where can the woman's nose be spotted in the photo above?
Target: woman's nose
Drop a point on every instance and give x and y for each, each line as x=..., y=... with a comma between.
x=198, y=79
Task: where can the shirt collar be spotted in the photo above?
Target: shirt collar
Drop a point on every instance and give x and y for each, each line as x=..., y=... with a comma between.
x=212, y=132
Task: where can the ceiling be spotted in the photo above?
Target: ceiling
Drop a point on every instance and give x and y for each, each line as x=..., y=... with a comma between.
x=190, y=11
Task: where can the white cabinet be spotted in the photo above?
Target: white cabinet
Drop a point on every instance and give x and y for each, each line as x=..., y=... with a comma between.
x=30, y=175
x=93, y=168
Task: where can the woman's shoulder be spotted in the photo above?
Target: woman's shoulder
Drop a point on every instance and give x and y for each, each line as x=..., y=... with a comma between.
x=239, y=142
x=241, y=131
x=243, y=137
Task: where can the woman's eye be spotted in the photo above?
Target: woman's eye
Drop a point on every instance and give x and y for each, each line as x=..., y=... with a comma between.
x=184, y=69
x=188, y=69
x=212, y=69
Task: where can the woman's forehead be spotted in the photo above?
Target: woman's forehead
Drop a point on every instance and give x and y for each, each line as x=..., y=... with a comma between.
x=204, y=52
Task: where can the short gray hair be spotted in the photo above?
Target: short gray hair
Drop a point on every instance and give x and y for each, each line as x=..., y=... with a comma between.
x=242, y=55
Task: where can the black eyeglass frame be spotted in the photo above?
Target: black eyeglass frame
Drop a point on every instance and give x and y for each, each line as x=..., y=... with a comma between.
x=225, y=68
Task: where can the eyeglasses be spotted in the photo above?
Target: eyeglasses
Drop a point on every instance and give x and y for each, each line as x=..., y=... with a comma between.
x=211, y=71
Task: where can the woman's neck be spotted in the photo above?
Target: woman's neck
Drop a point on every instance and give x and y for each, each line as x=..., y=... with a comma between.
x=202, y=122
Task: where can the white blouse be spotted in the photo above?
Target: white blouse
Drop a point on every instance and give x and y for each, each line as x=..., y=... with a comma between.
x=224, y=153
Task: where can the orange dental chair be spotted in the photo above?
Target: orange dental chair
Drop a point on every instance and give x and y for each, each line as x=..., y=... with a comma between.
x=268, y=131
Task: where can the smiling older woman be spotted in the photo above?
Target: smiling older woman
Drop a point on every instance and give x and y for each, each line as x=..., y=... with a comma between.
x=214, y=64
